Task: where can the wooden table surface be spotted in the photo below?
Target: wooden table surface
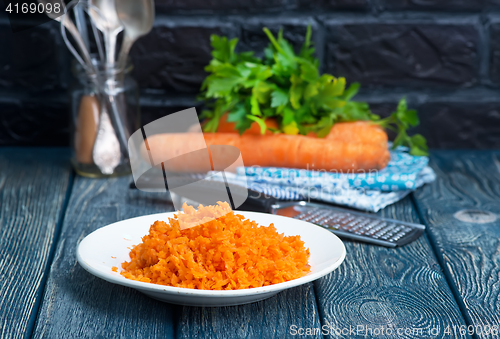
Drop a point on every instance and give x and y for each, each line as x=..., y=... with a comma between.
x=444, y=285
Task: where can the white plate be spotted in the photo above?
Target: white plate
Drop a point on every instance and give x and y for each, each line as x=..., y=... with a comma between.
x=110, y=246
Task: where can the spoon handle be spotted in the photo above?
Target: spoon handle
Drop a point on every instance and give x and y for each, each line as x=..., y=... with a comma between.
x=126, y=45
x=110, y=47
x=106, y=151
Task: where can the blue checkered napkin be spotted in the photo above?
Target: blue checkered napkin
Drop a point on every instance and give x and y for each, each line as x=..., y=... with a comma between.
x=369, y=191
x=400, y=174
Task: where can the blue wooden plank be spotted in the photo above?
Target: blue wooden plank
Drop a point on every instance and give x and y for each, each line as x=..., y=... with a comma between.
x=381, y=292
x=78, y=305
x=286, y=315
x=33, y=186
x=469, y=252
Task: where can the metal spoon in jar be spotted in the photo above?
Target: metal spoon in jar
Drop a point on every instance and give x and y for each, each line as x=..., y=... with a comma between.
x=106, y=152
x=137, y=18
x=103, y=14
x=63, y=18
x=108, y=23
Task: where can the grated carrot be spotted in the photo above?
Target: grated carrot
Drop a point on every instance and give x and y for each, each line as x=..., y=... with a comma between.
x=226, y=253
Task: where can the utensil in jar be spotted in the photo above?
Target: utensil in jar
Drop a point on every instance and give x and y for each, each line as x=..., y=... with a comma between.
x=137, y=18
x=67, y=23
x=106, y=20
x=86, y=128
x=106, y=152
x=103, y=14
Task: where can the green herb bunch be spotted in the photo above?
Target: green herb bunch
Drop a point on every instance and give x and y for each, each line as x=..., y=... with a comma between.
x=288, y=87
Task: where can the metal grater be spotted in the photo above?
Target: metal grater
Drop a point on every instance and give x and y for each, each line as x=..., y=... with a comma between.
x=352, y=225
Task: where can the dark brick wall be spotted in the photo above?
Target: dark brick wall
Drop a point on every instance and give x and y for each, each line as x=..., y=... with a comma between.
x=173, y=56
x=443, y=55
x=421, y=53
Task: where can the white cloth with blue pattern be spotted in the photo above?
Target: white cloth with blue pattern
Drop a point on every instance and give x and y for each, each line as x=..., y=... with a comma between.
x=369, y=191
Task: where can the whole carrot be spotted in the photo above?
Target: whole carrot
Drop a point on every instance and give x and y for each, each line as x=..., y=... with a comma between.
x=278, y=150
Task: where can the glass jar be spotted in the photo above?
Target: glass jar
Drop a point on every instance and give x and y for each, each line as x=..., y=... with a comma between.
x=104, y=113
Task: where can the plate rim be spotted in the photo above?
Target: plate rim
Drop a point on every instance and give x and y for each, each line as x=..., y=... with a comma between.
x=139, y=285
